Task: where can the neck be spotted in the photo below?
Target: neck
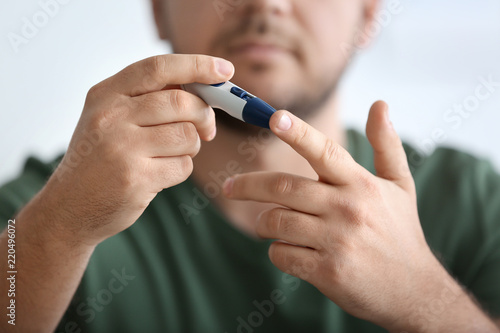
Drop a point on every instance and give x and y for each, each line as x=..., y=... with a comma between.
x=233, y=152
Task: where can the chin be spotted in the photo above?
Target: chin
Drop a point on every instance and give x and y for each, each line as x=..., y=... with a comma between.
x=284, y=85
x=275, y=86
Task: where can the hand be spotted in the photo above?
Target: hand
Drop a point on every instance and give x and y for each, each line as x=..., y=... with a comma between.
x=355, y=236
x=136, y=136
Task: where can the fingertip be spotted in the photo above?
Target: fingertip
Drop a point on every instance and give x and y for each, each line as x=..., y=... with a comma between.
x=281, y=121
x=207, y=125
x=378, y=118
x=224, y=67
x=213, y=134
x=227, y=186
x=384, y=107
x=380, y=104
x=379, y=111
x=390, y=159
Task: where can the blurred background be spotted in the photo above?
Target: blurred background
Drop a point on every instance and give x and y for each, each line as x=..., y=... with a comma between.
x=428, y=61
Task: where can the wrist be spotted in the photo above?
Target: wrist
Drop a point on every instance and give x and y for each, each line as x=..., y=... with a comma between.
x=46, y=222
x=425, y=284
x=439, y=303
x=426, y=310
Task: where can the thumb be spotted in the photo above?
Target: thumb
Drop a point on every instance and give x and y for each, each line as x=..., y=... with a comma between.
x=389, y=156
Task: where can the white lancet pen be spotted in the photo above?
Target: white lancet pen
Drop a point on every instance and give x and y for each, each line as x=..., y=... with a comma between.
x=233, y=100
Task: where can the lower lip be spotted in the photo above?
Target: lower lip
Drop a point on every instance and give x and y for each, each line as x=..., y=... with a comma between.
x=260, y=53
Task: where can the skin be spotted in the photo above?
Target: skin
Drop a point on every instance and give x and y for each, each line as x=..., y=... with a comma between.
x=145, y=133
x=358, y=239
x=306, y=62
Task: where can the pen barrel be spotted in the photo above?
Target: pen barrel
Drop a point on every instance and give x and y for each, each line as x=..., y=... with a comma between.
x=218, y=97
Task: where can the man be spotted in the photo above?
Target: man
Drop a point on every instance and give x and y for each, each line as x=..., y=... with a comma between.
x=131, y=234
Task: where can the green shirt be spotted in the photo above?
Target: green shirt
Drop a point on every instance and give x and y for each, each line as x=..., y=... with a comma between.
x=182, y=267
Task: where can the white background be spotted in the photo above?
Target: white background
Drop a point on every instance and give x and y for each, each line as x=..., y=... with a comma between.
x=428, y=58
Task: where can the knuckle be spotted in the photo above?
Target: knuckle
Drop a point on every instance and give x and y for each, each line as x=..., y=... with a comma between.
x=300, y=139
x=104, y=116
x=197, y=64
x=369, y=185
x=203, y=64
x=128, y=180
x=182, y=168
x=331, y=199
x=195, y=148
x=185, y=166
x=336, y=270
x=102, y=120
x=351, y=209
x=303, y=268
x=156, y=64
x=188, y=133
x=96, y=90
x=262, y=227
x=180, y=100
x=330, y=152
x=326, y=239
x=336, y=259
x=96, y=93
x=277, y=255
x=208, y=116
x=177, y=171
x=283, y=184
x=276, y=221
x=149, y=102
x=359, y=216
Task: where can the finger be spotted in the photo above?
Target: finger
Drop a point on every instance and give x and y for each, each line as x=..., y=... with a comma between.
x=290, y=226
x=155, y=73
x=389, y=155
x=167, y=172
x=295, y=260
x=298, y=193
x=332, y=163
x=174, y=139
x=172, y=106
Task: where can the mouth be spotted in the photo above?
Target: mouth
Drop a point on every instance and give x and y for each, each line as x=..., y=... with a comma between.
x=259, y=51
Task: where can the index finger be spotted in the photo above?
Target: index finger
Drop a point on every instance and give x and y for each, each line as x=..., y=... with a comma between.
x=155, y=73
x=331, y=161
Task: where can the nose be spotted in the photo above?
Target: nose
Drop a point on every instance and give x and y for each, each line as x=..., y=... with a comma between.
x=273, y=7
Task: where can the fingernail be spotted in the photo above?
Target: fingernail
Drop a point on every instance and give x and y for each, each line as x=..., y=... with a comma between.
x=285, y=123
x=224, y=67
x=227, y=187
